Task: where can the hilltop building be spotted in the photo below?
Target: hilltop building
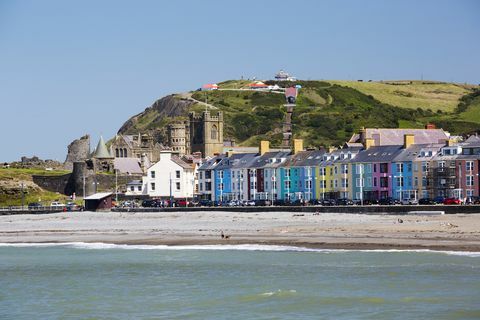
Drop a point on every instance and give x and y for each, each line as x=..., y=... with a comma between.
x=284, y=76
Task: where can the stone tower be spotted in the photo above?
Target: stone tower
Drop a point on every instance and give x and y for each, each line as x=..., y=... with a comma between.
x=179, y=137
x=206, y=133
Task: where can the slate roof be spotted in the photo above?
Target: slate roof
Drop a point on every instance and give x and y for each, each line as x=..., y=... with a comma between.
x=128, y=165
x=389, y=137
x=98, y=196
x=181, y=163
x=211, y=163
x=101, y=152
x=379, y=154
x=414, y=151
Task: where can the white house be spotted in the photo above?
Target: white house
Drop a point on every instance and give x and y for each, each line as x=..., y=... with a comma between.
x=170, y=177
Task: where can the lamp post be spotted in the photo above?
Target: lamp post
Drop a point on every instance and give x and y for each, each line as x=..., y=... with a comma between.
x=23, y=194
x=170, y=185
x=360, y=168
x=116, y=185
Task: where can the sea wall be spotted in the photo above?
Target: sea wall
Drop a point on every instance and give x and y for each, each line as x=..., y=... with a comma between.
x=333, y=209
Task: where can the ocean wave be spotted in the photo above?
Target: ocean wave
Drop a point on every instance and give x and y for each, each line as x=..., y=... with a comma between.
x=227, y=247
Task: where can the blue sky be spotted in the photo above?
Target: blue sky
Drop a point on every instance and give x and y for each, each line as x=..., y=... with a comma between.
x=73, y=67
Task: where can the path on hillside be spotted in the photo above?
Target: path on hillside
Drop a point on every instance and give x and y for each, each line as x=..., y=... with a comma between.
x=189, y=96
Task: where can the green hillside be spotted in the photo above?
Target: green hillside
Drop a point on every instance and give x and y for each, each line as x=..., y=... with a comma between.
x=412, y=94
x=327, y=112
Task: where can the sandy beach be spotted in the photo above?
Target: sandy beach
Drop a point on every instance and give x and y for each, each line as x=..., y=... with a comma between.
x=325, y=230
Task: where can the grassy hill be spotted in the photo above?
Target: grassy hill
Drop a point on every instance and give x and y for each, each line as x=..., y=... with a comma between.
x=327, y=112
x=11, y=191
x=412, y=94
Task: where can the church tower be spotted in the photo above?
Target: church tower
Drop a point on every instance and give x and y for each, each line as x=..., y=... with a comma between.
x=206, y=133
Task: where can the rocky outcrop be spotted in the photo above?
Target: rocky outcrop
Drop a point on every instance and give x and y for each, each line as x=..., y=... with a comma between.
x=170, y=106
x=78, y=150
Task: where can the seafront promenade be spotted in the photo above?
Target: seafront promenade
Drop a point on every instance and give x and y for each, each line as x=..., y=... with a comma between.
x=458, y=232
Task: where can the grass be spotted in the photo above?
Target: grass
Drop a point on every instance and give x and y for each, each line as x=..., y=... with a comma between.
x=434, y=96
x=26, y=174
x=15, y=176
x=44, y=197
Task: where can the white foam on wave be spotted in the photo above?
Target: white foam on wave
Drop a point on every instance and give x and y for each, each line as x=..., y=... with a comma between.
x=228, y=247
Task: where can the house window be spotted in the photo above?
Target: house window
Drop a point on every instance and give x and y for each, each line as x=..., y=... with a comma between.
x=152, y=174
x=201, y=186
x=177, y=174
x=139, y=188
x=469, y=165
x=344, y=183
x=383, y=167
x=117, y=154
x=399, y=181
x=208, y=174
x=132, y=188
x=374, y=167
x=399, y=167
x=214, y=132
x=469, y=181
x=152, y=186
x=335, y=183
x=359, y=182
x=287, y=184
x=208, y=186
x=344, y=168
x=384, y=182
x=374, y=182
x=287, y=173
x=201, y=175
x=220, y=174
x=177, y=185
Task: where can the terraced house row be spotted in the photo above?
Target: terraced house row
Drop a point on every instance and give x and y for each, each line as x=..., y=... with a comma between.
x=374, y=164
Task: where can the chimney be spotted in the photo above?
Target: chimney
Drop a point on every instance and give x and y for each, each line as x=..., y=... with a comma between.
x=408, y=140
x=331, y=149
x=264, y=147
x=362, y=135
x=450, y=142
x=297, y=145
x=430, y=126
x=369, y=142
x=165, y=155
x=230, y=153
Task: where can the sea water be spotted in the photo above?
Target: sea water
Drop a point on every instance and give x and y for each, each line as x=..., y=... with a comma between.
x=100, y=281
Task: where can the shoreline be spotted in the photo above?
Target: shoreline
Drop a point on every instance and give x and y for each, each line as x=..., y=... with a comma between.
x=314, y=231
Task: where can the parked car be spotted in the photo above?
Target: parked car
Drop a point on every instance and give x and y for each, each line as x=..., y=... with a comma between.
x=369, y=202
x=280, y=202
x=248, y=203
x=182, y=203
x=439, y=200
x=328, y=202
x=56, y=204
x=388, y=202
x=409, y=201
x=150, y=203
x=205, y=203
x=34, y=205
x=448, y=201
x=472, y=200
x=426, y=201
x=344, y=202
x=263, y=202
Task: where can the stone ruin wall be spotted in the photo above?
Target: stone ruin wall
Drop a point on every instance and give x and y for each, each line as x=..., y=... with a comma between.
x=78, y=151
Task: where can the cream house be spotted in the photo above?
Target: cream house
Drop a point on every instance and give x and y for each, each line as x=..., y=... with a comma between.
x=170, y=177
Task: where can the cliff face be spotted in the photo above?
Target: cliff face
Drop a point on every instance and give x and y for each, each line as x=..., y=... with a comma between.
x=156, y=116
